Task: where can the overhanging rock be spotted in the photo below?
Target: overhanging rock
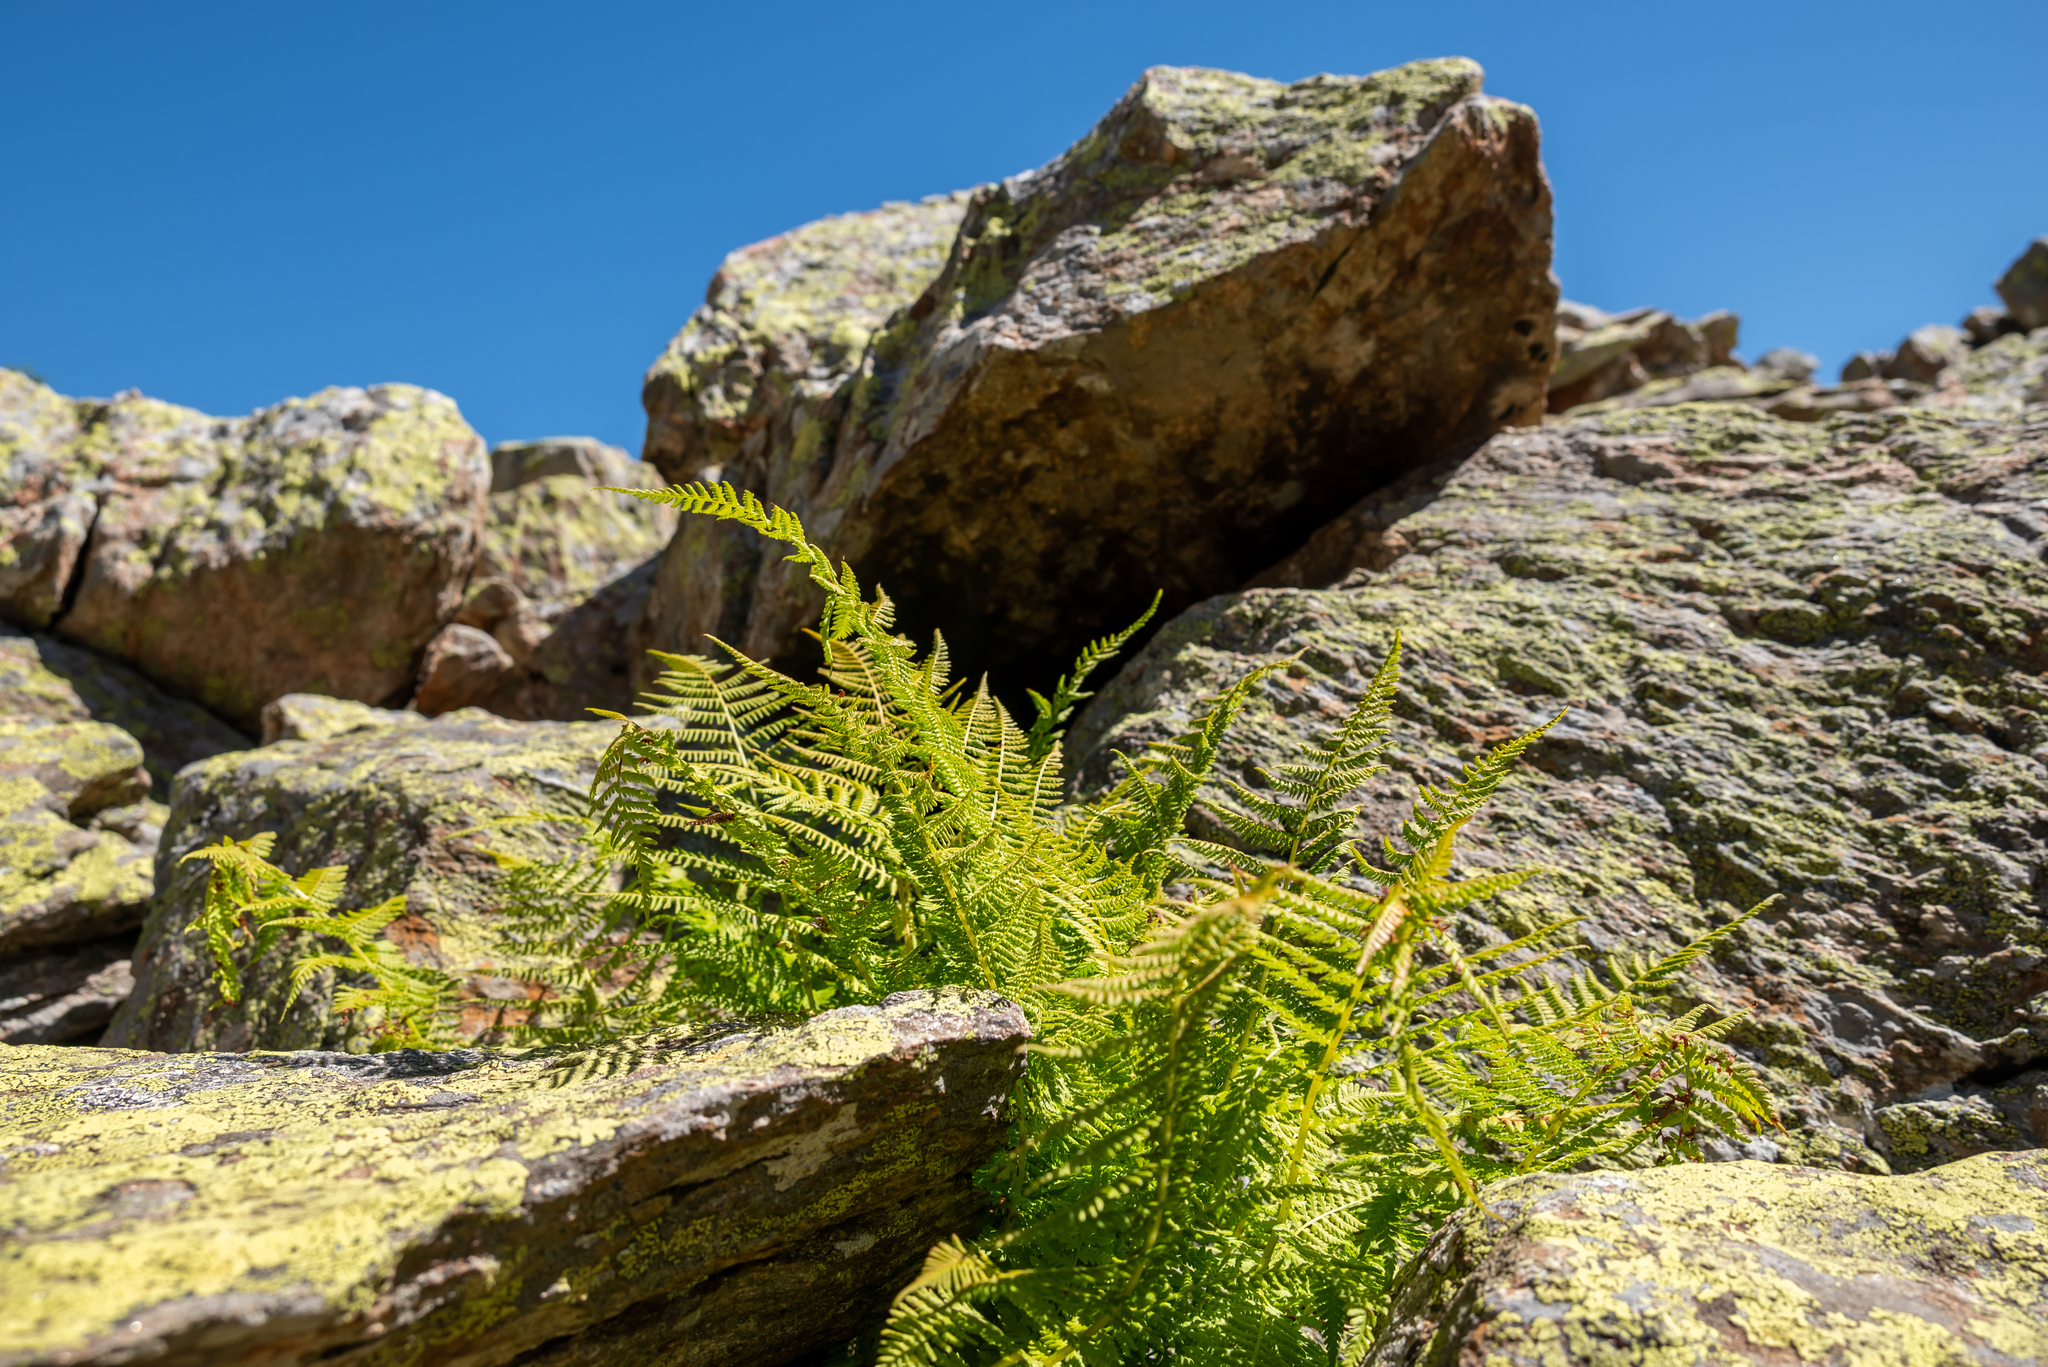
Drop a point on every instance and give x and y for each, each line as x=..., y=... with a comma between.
x=738, y=1197
x=1157, y=362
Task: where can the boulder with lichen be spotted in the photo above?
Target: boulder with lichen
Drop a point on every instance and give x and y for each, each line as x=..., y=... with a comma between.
x=1800, y=660
x=412, y=807
x=736, y=1196
x=1740, y=1263
x=1231, y=305
x=312, y=546
x=549, y=624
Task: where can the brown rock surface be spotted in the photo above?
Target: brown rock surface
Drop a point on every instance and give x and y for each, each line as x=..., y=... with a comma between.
x=313, y=546
x=1232, y=305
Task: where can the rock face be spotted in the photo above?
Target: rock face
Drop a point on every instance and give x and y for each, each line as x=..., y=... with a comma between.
x=2024, y=286
x=550, y=624
x=1737, y=1263
x=399, y=804
x=738, y=1198
x=66, y=994
x=1154, y=362
x=312, y=546
x=1801, y=659
x=45, y=679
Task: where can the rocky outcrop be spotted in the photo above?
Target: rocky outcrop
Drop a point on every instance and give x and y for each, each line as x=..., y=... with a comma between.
x=550, y=623
x=77, y=839
x=739, y=1197
x=1736, y=1263
x=312, y=546
x=2024, y=287
x=45, y=679
x=1601, y=355
x=1800, y=659
x=1153, y=363
x=405, y=807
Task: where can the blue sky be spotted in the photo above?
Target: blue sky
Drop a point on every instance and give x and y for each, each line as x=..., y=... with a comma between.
x=518, y=204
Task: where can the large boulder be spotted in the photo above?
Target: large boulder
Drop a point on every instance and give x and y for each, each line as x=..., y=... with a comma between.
x=408, y=807
x=45, y=679
x=550, y=625
x=312, y=546
x=733, y=1198
x=1155, y=362
x=1799, y=659
x=1736, y=1263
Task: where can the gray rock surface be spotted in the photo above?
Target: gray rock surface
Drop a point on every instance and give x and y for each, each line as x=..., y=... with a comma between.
x=737, y=1197
x=1226, y=309
x=64, y=995
x=1799, y=658
x=402, y=807
x=1737, y=1263
x=310, y=716
x=76, y=836
x=313, y=546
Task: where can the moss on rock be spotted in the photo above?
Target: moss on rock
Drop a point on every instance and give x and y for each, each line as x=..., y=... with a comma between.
x=735, y=1196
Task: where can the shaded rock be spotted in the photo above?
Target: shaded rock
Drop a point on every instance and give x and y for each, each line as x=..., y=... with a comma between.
x=560, y=586
x=309, y=716
x=313, y=546
x=64, y=995
x=1802, y=659
x=1229, y=284
x=463, y=668
x=1866, y=365
x=1790, y=362
x=1602, y=355
x=43, y=678
x=401, y=806
x=1987, y=324
x=66, y=877
x=1736, y=1263
x=736, y=1197
x=2024, y=286
x=1926, y=353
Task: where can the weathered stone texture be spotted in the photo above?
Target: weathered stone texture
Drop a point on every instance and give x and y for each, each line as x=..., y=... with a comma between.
x=42, y=678
x=559, y=588
x=1801, y=659
x=1737, y=1263
x=1601, y=355
x=1156, y=362
x=68, y=871
x=63, y=994
x=400, y=806
x=312, y=546
x=736, y=1197
x=2024, y=286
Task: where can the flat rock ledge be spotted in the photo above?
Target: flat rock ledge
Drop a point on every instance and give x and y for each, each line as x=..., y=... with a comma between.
x=742, y=1195
x=1737, y=1263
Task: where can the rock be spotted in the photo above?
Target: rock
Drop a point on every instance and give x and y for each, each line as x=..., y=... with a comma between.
x=65, y=878
x=1926, y=353
x=561, y=583
x=2001, y=378
x=64, y=995
x=1987, y=324
x=1801, y=659
x=308, y=716
x=1602, y=355
x=313, y=546
x=2024, y=286
x=1866, y=365
x=463, y=668
x=1736, y=1263
x=403, y=806
x=42, y=678
x=1229, y=284
x=1813, y=403
x=1793, y=364
x=740, y=1197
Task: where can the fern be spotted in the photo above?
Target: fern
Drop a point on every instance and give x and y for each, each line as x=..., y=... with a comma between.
x=251, y=901
x=1263, y=1069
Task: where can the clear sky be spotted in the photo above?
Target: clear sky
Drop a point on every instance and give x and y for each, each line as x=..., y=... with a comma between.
x=518, y=204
